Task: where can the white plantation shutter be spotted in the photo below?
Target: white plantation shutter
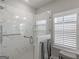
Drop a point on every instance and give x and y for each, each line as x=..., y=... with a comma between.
x=65, y=31
x=59, y=30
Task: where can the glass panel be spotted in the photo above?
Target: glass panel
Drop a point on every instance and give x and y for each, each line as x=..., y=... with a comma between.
x=41, y=27
x=11, y=28
x=41, y=22
x=59, y=20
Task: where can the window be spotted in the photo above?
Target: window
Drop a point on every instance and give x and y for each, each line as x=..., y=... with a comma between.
x=41, y=27
x=65, y=31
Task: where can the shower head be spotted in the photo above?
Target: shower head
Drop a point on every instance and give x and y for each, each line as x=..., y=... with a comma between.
x=2, y=4
x=2, y=0
x=1, y=7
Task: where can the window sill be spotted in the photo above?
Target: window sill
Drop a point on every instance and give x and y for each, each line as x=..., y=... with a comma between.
x=67, y=49
x=42, y=38
x=47, y=36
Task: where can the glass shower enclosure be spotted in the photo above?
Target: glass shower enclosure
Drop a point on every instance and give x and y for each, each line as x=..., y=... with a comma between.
x=14, y=43
x=16, y=30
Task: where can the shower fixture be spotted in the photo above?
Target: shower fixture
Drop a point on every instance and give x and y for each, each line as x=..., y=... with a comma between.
x=1, y=7
x=2, y=0
x=30, y=39
x=2, y=4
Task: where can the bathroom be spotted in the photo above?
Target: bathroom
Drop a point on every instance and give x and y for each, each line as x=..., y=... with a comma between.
x=39, y=29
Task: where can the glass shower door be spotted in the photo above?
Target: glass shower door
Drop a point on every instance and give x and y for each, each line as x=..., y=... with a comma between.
x=15, y=41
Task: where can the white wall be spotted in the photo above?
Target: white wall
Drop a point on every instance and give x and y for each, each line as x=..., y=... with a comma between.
x=17, y=47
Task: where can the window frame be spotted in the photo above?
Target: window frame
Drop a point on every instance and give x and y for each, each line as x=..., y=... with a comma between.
x=75, y=11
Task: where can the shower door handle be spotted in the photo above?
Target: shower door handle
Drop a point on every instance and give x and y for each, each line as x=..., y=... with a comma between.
x=30, y=39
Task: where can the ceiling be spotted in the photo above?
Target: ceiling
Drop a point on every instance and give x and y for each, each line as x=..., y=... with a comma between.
x=37, y=3
x=33, y=3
